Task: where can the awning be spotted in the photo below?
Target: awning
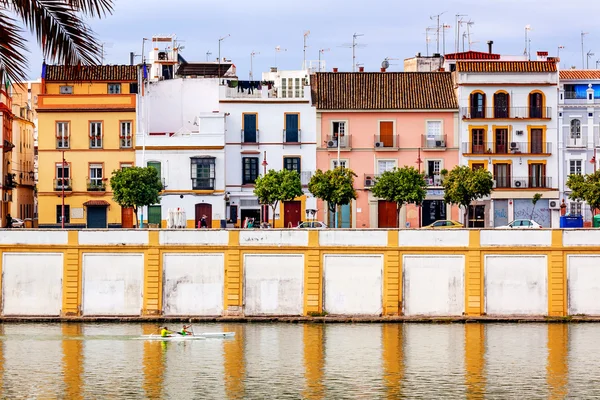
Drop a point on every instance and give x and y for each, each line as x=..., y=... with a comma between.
x=96, y=203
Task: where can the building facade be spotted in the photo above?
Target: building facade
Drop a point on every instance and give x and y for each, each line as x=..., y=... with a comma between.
x=374, y=122
x=22, y=164
x=6, y=174
x=86, y=131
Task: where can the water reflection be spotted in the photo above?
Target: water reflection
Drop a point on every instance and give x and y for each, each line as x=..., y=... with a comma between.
x=309, y=361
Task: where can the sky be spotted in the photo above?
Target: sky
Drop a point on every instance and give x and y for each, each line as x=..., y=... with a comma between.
x=391, y=29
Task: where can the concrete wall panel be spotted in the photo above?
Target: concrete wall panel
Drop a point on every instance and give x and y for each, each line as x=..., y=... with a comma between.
x=581, y=237
x=516, y=237
x=353, y=238
x=431, y=237
x=113, y=237
x=273, y=284
x=20, y=236
x=434, y=285
x=193, y=284
x=516, y=285
x=112, y=283
x=353, y=284
x=194, y=237
x=274, y=238
x=32, y=283
x=583, y=290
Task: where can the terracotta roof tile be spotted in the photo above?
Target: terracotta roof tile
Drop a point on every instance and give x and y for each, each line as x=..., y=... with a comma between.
x=505, y=66
x=383, y=91
x=66, y=73
x=472, y=55
x=583, y=74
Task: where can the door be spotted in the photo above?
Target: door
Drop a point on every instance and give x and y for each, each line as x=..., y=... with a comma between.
x=126, y=217
x=154, y=216
x=387, y=217
x=535, y=105
x=501, y=105
x=477, y=216
x=432, y=210
x=386, y=133
x=96, y=217
x=291, y=213
x=501, y=141
x=249, y=128
x=204, y=209
x=477, y=139
x=344, y=217
x=537, y=146
x=291, y=128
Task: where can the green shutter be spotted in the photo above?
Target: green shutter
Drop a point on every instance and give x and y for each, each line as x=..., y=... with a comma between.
x=155, y=165
x=154, y=214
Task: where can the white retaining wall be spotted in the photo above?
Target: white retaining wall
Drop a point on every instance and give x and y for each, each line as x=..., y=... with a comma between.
x=353, y=238
x=194, y=237
x=114, y=237
x=583, y=290
x=432, y=237
x=516, y=237
x=34, y=236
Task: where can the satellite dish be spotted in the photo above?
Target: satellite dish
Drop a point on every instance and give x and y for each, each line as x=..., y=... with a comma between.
x=385, y=64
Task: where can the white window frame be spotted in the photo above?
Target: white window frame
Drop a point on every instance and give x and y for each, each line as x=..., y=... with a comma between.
x=63, y=167
x=95, y=136
x=578, y=206
x=93, y=170
x=62, y=135
x=125, y=137
x=441, y=133
x=343, y=161
x=386, y=160
x=114, y=85
x=123, y=166
x=575, y=161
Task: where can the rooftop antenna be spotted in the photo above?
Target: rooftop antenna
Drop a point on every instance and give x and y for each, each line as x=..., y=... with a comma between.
x=589, y=55
x=437, y=41
x=278, y=49
x=558, y=52
x=354, y=45
x=104, y=45
x=321, y=51
x=469, y=25
x=252, y=55
x=386, y=62
x=306, y=34
x=208, y=54
x=459, y=22
x=464, y=36
x=525, y=52
x=444, y=27
x=427, y=38
x=582, y=35
x=220, y=40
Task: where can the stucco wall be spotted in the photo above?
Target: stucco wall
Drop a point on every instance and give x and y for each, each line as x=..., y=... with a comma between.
x=583, y=284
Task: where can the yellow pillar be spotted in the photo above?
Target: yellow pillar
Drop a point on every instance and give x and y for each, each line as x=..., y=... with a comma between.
x=557, y=277
x=71, y=303
x=474, y=276
x=153, y=277
x=392, y=277
x=314, y=361
x=154, y=364
x=393, y=359
x=72, y=362
x=233, y=276
x=475, y=360
x=313, y=276
x=557, y=368
x=234, y=363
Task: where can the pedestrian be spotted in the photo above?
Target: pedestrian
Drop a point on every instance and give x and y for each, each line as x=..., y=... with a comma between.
x=8, y=221
x=203, y=223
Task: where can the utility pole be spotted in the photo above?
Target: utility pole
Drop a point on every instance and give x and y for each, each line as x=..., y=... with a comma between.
x=220, y=40
x=582, y=51
x=306, y=34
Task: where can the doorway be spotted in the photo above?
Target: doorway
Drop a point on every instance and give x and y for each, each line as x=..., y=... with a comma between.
x=344, y=217
x=476, y=217
x=250, y=214
x=203, y=209
x=96, y=217
x=432, y=210
x=387, y=216
x=291, y=213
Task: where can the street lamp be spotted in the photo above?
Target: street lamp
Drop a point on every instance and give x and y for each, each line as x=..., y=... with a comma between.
x=419, y=162
x=62, y=212
x=265, y=209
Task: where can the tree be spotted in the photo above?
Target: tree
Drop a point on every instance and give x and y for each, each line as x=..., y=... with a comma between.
x=586, y=188
x=463, y=185
x=534, y=200
x=402, y=185
x=336, y=187
x=59, y=27
x=136, y=187
x=276, y=186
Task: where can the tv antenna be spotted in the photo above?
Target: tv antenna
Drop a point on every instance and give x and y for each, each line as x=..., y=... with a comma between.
x=278, y=49
x=252, y=55
x=469, y=25
x=459, y=22
x=220, y=40
x=103, y=46
x=437, y=41
x=525, y=52
x=321, y=51
x=306, y=34
x=427, y=38
x=354, y=45
x=208, y=54
x=444, y=27
x=589, y=55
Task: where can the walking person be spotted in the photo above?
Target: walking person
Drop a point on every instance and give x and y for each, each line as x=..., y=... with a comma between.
x=203, y=223
x=8, y=221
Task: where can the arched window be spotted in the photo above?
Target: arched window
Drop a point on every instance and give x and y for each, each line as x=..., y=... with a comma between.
x=477, y=105
x=501, y=105
x=536, y=105
x=575, y=129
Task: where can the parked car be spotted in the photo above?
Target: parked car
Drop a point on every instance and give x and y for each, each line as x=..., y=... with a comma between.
x=311, y=225
x=444, y=224
x=521, y=224
x=18, y=223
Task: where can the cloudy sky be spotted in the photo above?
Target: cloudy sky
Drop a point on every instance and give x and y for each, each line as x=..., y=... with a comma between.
x=391, y=28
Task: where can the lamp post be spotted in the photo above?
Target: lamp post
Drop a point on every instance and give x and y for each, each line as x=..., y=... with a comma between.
x=419, y=162
x=62, y=212
x=265, y=209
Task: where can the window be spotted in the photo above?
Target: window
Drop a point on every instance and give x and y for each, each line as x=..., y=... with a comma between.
x=339, y=129
x=114, y=88
x=249, y=170
x=537, y=175
x=501, y=105
x=284, y=88
x=66, y=89
x=477, y=105
x=297, y=88
x=292, y=164
x=433, y=167
x=63, y=176
x=292, y=128
x=536, y=105
x=502, y=175
x=575, y=129
x=249, y=128
x=95, y=135
x=501, y=141
x=59, y=213
x=125, y=165
x=342, y=163
x=434, y=129
x=476, y=166
x=575, y=167
x=203, y=173
x=95, y=182
x=62, y=135
x=575, y=208
x=385, y=165
x=125, y=134
x=156, y=165
x=478, y=138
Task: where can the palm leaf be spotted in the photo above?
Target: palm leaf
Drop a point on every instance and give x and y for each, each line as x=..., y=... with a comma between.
x=12, y=49
x=93, y=8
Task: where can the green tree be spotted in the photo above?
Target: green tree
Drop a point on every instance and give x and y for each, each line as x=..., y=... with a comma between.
x=59, y=27
x=401, y=185
x=586, y=188
x=463, y=185
x=534, y=200
x=136, y=187
x=335, y=187
x=276, y=186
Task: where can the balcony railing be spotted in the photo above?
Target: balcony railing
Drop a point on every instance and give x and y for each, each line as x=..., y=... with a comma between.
x=250, y=136
x=529, y=182
x=433, y=142
x=96, y=186
x=506, y=112
x=332, y=142
x=576, y=140
x=292, y=135
x=572, y=95
x=507, y=148
x=382, y=142
x=9, y=181
x=370, y=180
x=434, y=180
x=65, y=184
x=203, y=183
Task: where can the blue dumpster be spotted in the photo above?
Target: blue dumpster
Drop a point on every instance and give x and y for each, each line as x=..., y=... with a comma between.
x=575, y=221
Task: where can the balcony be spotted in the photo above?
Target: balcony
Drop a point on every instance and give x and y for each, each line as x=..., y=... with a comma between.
x=9, y=181
x=506, y=113
x=305, y=177
x=292, y=136
x=433, y=142
x=434, y=180
x=370, y=180
x=576, y=141
x=7, y=146
x=96, y=185
x=61, y=184
x=386, y=142
x=333, y=141
x=573, y=97
x=530, y=182
x=203, y=183
x=520, y=148
x=250, y=137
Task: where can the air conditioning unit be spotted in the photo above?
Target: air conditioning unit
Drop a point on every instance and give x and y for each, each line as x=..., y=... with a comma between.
x=369, y=181
x=379, y=144
x=554, y=205
x=519, y=132
x=66, y=90
x=332, y=144
x=514, y=146
x=520, y=184
x=440, y=143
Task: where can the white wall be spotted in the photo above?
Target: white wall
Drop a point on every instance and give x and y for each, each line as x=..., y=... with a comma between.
x=516, y=237
x=583, y=284
x=113, y=237
x=34, y=236
x=193, y=284
x=32, y=283
x=112, y=283
x=353, y=238
x=516, y=285
x=194, y=237
x=432, y=237
x=581, y=237
x=298, y=237
x=433, y=285
x=353, y=284
x=273, y=284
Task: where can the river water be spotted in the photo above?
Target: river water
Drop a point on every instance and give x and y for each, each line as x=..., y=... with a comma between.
x=292, y=361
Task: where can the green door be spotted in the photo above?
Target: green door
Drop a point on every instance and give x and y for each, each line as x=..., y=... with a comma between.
x=154, y=215
x=155, y=165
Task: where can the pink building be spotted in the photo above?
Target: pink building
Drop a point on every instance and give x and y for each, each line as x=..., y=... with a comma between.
x=373, y=122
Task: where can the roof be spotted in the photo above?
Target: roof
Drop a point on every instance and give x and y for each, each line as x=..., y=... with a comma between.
x=383, y=91
x=63, y=73
x=506, y=66
x=580, y=74
x=203, y=69
x=96, y=203
x=472, y=55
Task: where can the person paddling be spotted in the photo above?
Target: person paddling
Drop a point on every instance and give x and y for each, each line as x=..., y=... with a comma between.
x=184, y=330
x=165, y=332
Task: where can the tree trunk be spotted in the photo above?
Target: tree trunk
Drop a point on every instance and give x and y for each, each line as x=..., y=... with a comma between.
x=274, y=207
x=137, y=222
x=532, y=212
x=398, y=208
x=467, y=216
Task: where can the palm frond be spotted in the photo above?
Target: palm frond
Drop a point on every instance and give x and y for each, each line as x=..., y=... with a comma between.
x=93, y=8
x=13, y=62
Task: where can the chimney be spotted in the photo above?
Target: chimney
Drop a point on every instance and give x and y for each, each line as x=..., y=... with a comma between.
x=361, y=69
x=335, y=70
x=542, y=56
x=382, y=69
x=490, y=44
x=131, y=57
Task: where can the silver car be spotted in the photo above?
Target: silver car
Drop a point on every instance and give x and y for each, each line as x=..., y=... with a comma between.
x=312, y=225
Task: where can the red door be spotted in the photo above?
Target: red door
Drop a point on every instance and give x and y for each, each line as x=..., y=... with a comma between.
x=386, y=214
x=204, y=209
x=291, y=213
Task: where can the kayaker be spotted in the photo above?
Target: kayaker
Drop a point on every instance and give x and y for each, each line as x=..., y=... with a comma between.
x=184, y=330
x=165, y=332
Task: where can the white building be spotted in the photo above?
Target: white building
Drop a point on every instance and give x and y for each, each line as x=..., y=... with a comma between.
x=508, y=125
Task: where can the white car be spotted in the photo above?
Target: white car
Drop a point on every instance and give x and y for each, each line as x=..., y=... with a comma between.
x=17, y=223
x=521, y=224
x=312, y=225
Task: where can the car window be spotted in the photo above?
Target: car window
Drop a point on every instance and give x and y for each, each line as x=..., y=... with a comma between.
x=526, y=223
x=438, y=223
x=302, y=225
x=449, y=223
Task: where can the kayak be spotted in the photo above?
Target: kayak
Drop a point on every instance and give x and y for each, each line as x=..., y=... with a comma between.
x=200, y=336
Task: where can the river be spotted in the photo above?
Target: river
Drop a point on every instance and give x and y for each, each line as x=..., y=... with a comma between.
x=281, y=361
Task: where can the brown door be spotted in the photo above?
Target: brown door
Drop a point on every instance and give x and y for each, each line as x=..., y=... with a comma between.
x=501, y=141
x=477, y=139
x=126, y=217
x=204, y=209
x=386, y=133
x=291, y=213
x=537, y=146
x=386, y=214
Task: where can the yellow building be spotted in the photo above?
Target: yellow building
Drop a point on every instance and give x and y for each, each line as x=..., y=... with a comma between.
x=7, y=183
x=86, y=125
x=21, y=166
